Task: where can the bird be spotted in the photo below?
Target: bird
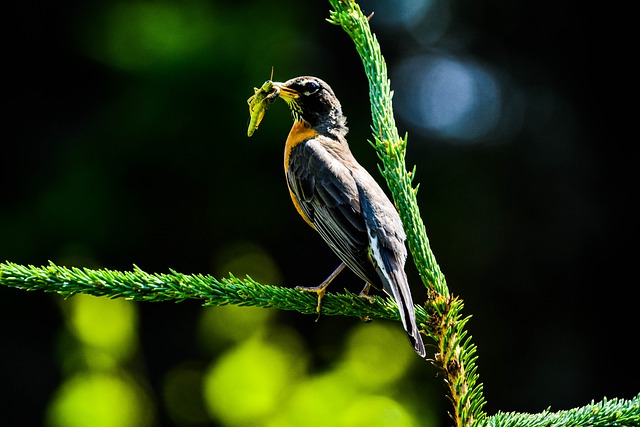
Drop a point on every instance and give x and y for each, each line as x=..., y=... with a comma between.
x=339, y=199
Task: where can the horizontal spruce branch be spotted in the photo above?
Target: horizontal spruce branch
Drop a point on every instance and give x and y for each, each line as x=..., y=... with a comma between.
x=606, y=413
x=138, y=285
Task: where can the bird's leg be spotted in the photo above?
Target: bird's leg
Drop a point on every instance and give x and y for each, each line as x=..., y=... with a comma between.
x=321, y=289
x=364, y=293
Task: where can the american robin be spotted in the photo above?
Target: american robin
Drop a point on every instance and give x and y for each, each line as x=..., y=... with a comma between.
x=337, y=197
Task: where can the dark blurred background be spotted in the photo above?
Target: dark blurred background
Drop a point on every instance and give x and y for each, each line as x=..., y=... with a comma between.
x=125, y=143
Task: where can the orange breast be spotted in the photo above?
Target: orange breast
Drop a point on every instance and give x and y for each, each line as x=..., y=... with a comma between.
x=299, y=133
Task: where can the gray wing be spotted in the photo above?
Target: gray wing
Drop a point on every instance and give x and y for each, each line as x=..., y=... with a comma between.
x=328, y=196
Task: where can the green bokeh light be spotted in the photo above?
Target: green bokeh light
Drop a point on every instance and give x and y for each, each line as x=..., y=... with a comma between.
x=247, y=258
x=334, y=399
x=214, y=329
x=141, y=35
x=99, y=400
x=375, y=411
x=377, y=354
x=247, y=384
x=317, y=401
x=108, y=326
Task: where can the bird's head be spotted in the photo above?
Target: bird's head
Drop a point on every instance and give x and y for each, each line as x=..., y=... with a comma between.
x=311, y=100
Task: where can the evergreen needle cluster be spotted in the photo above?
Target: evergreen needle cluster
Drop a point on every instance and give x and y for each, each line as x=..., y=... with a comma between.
x=138, y=285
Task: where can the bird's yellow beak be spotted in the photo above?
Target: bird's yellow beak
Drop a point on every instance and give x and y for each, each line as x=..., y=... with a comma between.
x=285, y=93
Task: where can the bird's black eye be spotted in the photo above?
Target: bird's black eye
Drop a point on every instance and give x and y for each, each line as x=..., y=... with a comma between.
x=310, y=88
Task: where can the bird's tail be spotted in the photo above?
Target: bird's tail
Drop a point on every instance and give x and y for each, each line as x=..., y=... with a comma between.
x=397, y=286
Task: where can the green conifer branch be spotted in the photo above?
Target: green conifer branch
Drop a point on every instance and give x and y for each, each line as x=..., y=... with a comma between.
x=138, y=285
x=387, y=142
x=606, y=413
x=456, y=354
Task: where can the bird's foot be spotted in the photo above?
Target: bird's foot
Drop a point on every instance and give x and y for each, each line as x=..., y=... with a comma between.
x=321, y=289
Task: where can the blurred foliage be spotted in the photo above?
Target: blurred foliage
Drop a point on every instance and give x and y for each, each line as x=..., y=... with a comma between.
x=99, y=387
x=125, y=143
x=99, y=399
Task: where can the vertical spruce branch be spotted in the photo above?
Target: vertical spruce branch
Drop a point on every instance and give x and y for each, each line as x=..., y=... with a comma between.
x=456, y=354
